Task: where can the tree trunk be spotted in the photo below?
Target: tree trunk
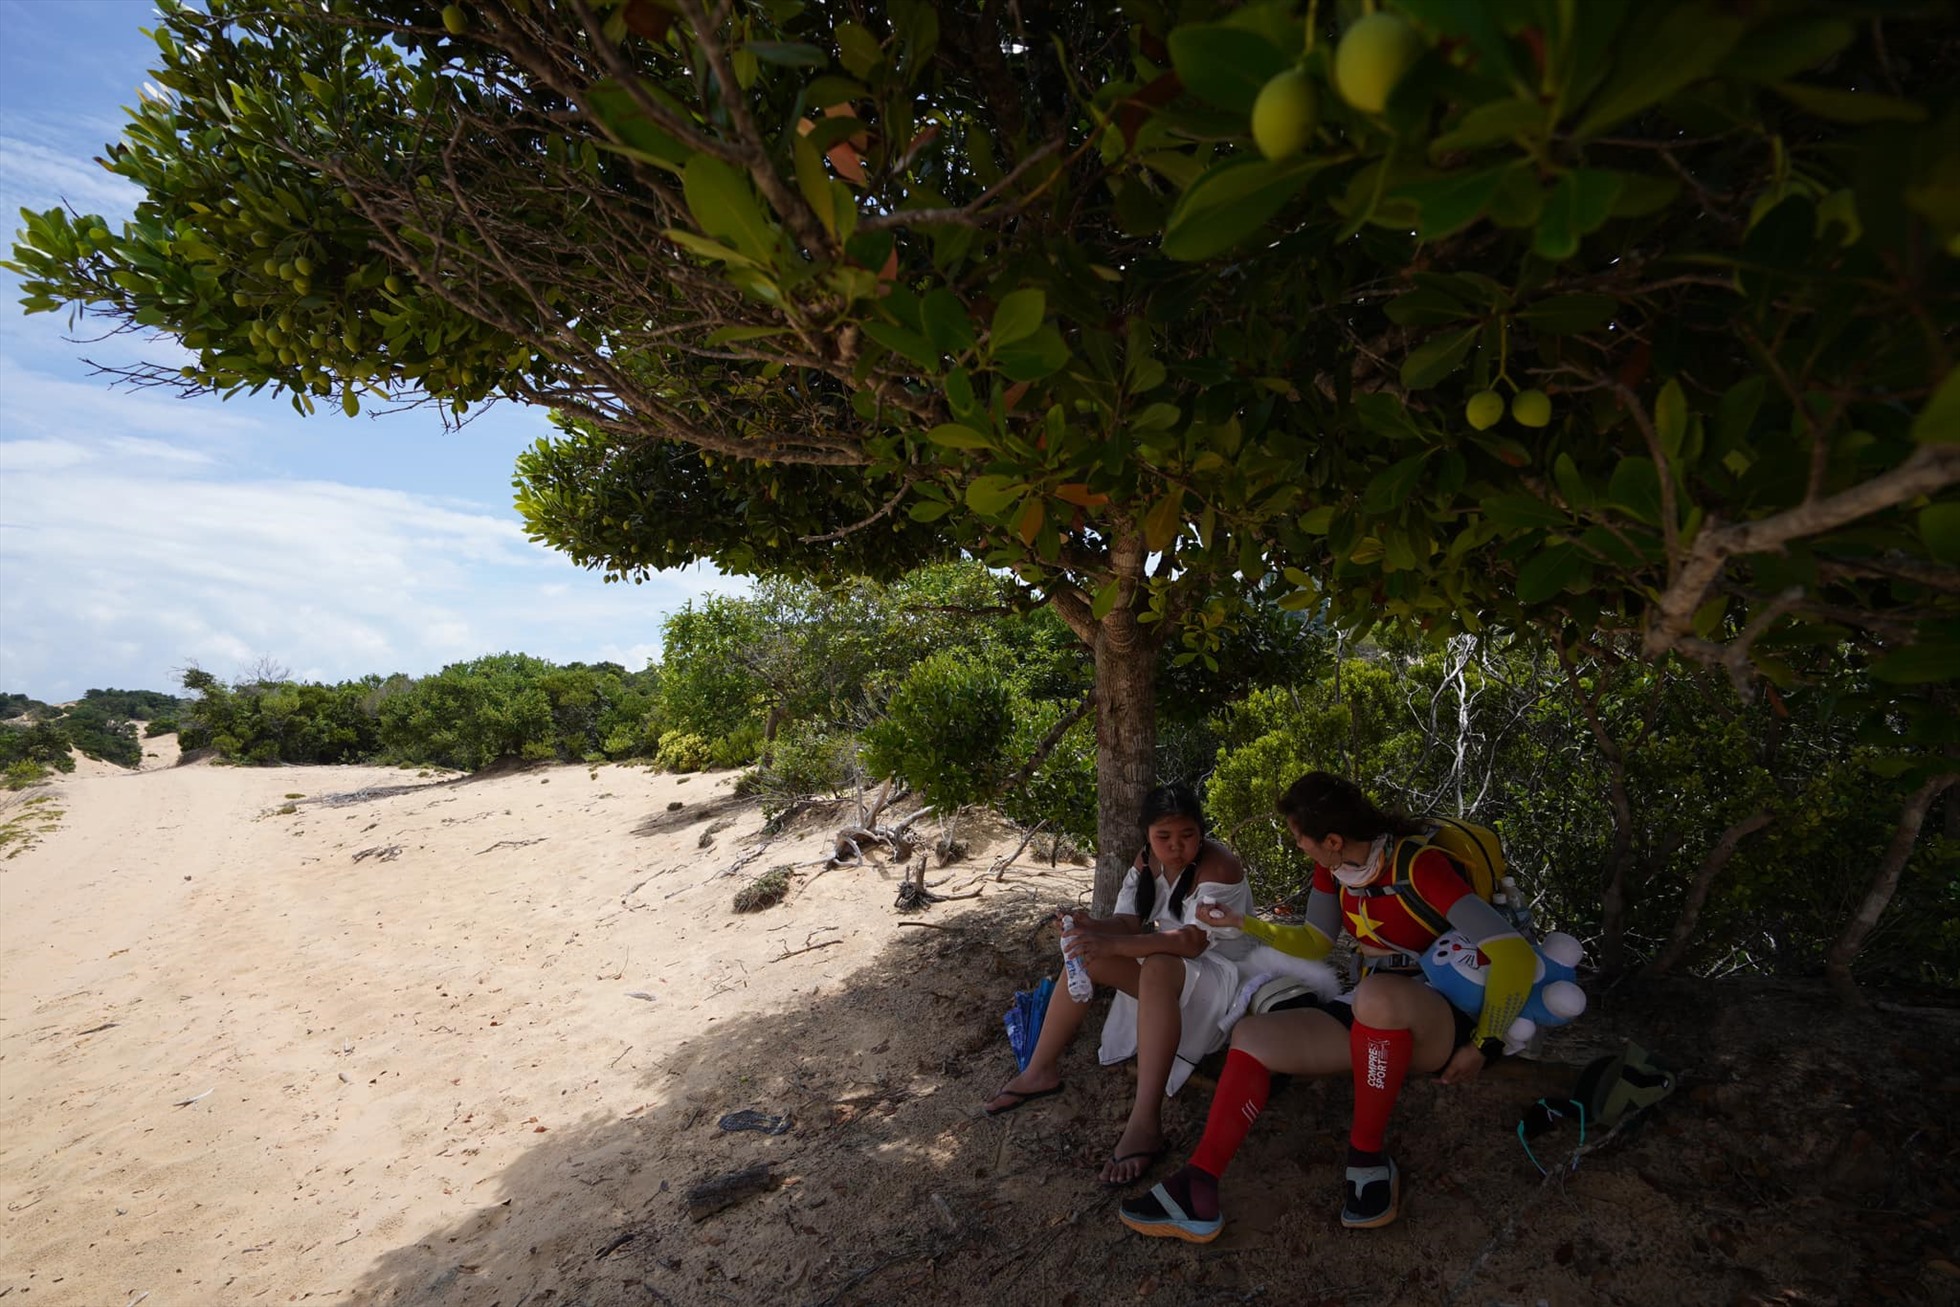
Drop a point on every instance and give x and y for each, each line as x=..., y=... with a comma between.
x=1711, y=866
x=1837, y=962
x=1126, y=747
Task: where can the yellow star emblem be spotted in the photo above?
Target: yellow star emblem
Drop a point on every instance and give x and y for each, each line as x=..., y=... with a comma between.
x=1365, y=927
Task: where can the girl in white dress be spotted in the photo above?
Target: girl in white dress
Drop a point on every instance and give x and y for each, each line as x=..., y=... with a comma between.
x=1176, y=978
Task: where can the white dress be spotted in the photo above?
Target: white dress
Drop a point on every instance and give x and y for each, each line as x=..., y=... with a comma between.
x=1211, y=980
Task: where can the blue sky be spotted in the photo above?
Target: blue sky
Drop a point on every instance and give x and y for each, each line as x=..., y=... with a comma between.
x=140, y=534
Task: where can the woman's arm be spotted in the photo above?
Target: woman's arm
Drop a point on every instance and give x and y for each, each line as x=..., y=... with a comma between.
x=1184, y=942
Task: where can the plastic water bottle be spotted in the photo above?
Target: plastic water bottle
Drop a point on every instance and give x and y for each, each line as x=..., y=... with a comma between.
x=1216, y=932
x=1080, y=987
x=1510, y=901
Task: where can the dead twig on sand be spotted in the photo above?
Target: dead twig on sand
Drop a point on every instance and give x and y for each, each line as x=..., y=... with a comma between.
x=808, y=947
x=511, y=844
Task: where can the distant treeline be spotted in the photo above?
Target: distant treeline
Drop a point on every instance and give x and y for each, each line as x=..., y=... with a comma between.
x=1646, y=807
x=36, y=736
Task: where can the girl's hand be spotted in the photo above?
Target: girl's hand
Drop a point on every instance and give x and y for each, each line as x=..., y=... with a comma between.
x=1465, y=1065
x=1088, y=945
x=1218, y=915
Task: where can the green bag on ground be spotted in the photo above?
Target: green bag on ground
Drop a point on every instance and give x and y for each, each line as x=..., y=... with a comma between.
x=1609, y=1090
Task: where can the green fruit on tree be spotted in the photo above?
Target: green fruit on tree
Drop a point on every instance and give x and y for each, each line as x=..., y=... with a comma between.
x=1531, y=408
x=392, y=284
x=1372, y=56
x=350, y=403
x=1484, y=410
x=1285, y=114
x=455, y=20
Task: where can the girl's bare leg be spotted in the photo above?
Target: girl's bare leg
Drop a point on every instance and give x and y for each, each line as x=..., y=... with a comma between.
x=1160, y=1025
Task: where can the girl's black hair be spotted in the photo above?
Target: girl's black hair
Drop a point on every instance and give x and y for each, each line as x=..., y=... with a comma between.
x=1320, y=804
x=1168, y=801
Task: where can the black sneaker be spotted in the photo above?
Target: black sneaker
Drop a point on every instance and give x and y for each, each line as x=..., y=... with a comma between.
x=1372, y=1196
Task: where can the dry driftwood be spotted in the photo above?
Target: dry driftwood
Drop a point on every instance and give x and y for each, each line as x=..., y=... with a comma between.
x=722, y=1191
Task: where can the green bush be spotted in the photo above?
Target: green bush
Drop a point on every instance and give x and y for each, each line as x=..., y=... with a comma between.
x=160, y=726
x=22, y=773
x=946, y=730
x=682, y=751
x=738, y=748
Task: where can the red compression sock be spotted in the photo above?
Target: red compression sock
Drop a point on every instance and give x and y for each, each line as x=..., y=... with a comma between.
x=1242, y=1088
x=1381, y=1059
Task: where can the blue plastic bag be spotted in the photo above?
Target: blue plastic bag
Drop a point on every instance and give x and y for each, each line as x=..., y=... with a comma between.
x=1023, y=1020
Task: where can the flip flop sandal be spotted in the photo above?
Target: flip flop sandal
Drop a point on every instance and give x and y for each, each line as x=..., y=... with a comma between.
x=1158, y=1215
x=1148, y=1155
x=1021, y=1098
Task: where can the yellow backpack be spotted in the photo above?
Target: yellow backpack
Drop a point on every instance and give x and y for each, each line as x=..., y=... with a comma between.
x=1473, y=849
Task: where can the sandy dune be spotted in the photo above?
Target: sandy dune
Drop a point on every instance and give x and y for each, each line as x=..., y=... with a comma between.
x=246, y=1050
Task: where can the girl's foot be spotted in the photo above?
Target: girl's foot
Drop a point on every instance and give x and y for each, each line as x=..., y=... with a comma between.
x=1135, y=1150
x=1024, y=1088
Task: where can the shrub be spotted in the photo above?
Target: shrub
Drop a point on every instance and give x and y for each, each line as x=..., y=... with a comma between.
x=23, y=773
x=160, y=726
x=738, y=748
x=946, y=730
x=766, y=890
x=682, y=751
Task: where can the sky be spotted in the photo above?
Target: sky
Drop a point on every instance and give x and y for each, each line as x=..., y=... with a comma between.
x=142, y=534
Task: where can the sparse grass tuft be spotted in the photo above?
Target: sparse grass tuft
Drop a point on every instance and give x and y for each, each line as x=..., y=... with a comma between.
x=765, y=891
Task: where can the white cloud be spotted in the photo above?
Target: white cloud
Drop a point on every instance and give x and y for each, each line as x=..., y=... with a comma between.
x=39, y=178
x=41, y=455
x=115, y=579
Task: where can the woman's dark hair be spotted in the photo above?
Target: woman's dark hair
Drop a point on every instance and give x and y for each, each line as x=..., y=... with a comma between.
x=1320, y=804
x=1168, y=801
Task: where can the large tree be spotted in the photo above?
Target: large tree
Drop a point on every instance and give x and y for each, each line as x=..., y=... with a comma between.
x=819, y=285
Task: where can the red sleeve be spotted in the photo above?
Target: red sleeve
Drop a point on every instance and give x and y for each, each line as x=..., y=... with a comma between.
x=1323, y=879
x=1435, y=878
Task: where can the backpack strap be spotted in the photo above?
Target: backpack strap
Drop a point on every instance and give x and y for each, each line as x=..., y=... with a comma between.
x=1400, y=883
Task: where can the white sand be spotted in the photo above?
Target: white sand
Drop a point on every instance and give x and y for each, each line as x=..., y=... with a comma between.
x=239, y=1065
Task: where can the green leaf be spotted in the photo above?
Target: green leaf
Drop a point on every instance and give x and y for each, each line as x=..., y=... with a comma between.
x=1426, y=306
x=946, y=322
x=1783, y=48
x=1017, y=316
x=725, y=207
x=1671, y=417
x=1392, y=487
x=1939, y=527
x=1636, y=490
x=1035, y=357
x=988, y=495
x=1230, y=202
x=1580, y=203
x=1105, y=600
x=955, y=436
x=1436, y=358
x=1160, y=524
x=1931, y=660
x=908, y=344
x=1225, y=66
x=1157, y=417
x=1557, y=567
x=1939, y=421
x=928, y=510
x=1521, y=512
x=1314, y=521
x=1490, y=124
x=1662, y=57
x=1850, y=106
x=1449, y=204
x=789, y=54
x=729, y=335
x=706, y=248
x=1563, y=315
x=1571, y=485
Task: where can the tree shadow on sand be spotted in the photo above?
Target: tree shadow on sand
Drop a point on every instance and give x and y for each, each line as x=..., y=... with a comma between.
x=1790, y=1168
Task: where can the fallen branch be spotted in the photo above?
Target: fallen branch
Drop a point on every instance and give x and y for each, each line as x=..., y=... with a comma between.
x=807, y=948
x=514, y=844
